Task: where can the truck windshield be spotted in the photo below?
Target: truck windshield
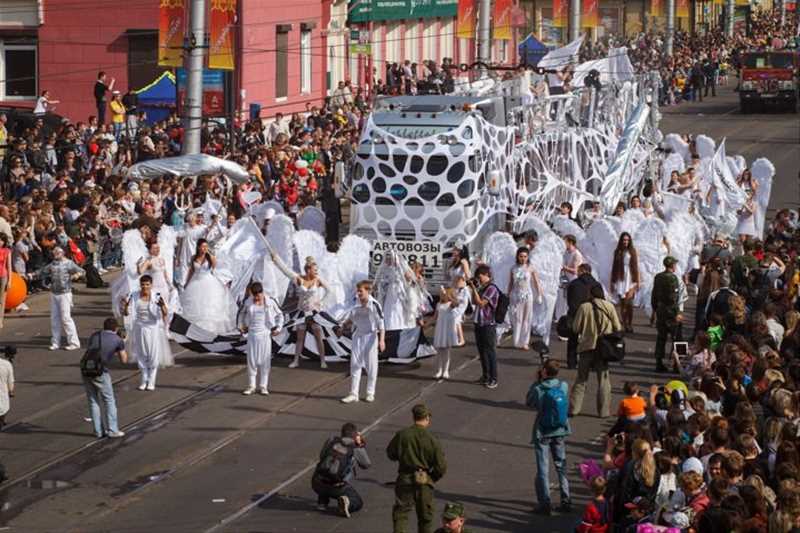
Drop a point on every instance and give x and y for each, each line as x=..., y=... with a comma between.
x=768, y=60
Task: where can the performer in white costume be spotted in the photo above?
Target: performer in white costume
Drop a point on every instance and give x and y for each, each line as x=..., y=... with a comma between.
x=458, y=265
x=190, y=233
x=746, y=224
x=625, y=279
x=522, y=284
x=393, y=292
x=206, y=301
x=60, y=272
x=445, y=335
x=459, y=304
x=155, y=267
x=149, y=345
x=366, y=320
x=262, y=319
x=311, y=292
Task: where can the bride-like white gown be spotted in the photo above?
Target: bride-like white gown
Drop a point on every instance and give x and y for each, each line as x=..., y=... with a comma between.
x=207, y=303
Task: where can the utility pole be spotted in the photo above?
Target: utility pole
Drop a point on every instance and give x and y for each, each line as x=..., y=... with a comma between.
x=670, y=27
x=574, y=19
x=731, y=5
x=485, y=34
x=193, y=105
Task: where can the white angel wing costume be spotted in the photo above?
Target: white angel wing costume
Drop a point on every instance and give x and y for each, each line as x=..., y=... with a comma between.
x=679, y=146
x=598, y=248
x=280, y=236
x=631, y=220
x=563, y=225
x=673, y=162
x=133, y=250
x=546, y=259
x=352, y=261
x=334, y=303
x=309, y=244
x=500, y=254
x=705, y=146
x=648, y=239
x=312, y=218
x=763, y=171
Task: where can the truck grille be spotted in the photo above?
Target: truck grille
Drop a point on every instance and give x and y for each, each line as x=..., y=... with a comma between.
x=768, y=86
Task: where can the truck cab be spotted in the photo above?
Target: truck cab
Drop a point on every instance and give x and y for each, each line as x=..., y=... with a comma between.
x=768, y=77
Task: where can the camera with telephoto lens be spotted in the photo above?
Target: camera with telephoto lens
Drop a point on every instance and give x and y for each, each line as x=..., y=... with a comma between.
x=9, y=353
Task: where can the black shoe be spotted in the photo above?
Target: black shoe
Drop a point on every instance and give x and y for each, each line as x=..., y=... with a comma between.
x=491, y=384
x=661, y=369
x=565, y=507
x=543, y=510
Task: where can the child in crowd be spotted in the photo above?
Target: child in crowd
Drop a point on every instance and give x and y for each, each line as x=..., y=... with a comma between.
x=445, y=335
x=632, y=408
x=595, y=516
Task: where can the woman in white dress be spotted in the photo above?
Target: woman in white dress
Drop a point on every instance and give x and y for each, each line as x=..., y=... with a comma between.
x=311, y=292
x=522, y=284
x=393, y=282
x=444, y=333
x=625, y=279
x=421, y=298
x=459, y=303
x=155, y=267
x=206, y=301
x=458, y=265
x=262, y=319
x=746, y=225
x=148, y=343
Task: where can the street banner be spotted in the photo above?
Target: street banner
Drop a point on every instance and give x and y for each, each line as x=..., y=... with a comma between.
x=724, y=181
x=561, y=57
x=682, y=9
x=560, y=13
x=171, y=25
x=589, y=17
x=220, y=50
x=655, y=8
x=502, y=20
x=465, y=28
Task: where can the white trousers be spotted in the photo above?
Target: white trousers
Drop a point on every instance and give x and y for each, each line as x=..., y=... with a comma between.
x=61, y=320
x=148, y=373
x=259, y=359
x=364, y=356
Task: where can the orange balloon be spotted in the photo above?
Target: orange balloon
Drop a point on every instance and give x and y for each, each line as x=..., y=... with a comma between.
x=17, y=291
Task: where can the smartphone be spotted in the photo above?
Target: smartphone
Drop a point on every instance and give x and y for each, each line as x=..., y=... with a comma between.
x=681, y=348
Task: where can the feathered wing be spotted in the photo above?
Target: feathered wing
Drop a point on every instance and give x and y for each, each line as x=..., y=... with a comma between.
x=335, y=301
x=648, y=239
x=259, y=211
x=564, y=226
x=679, y=146
x=500, y=253
x=672, y=162
x=705, y=146
x=312, y=218
x=597, y=247
x=353, y=263
x=309, y=244
x=682, y=230
x=546, y=259
x=631, y=219
x=120, y=289
x=240, y=256
x=763, y=171
x=280, y=236
x=133, y=250
x=167, y=241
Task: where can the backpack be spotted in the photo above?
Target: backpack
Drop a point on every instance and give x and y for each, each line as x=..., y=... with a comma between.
x=610, y=346
x=92, y=365
x=93, y=278
x=336, y=462
x=553, y=411
x=501, y=310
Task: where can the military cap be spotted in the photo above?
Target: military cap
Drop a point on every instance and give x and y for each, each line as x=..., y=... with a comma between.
x=669, y=261
x=420, y=411
x=452, y=511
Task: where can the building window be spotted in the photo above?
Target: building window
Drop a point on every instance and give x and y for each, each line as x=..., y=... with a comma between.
x=305, y=61
x=142, y=58
x=282, y=61
x=18, y=70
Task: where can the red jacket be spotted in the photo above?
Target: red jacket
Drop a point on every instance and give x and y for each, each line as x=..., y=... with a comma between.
x=594, y=518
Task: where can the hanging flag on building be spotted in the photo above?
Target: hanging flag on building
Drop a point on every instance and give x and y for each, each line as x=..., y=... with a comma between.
x=682, y=9
x=655, y=8
x=171, y=25
x=560, y=13
x=466, y=19
x=589, y=17
x=501, y=19
x=220, y=49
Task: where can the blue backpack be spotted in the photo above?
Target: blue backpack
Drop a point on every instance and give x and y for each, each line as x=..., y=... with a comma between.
x=553, y=410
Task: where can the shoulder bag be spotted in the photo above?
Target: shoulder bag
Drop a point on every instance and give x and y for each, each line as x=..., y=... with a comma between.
x=610, y=346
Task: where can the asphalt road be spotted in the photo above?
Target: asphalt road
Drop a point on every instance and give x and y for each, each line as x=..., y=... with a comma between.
x=199, y=456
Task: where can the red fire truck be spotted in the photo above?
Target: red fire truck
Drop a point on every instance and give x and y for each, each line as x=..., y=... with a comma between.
x=768, y=77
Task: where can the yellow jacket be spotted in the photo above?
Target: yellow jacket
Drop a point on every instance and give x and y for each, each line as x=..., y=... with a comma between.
x=117, y=111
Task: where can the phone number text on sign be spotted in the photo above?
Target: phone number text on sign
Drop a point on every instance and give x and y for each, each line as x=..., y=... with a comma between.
x=429, y=254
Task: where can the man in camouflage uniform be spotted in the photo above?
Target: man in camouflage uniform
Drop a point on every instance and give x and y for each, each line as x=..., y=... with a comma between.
x=453, y=519
x=664, y=301
x=421, y=463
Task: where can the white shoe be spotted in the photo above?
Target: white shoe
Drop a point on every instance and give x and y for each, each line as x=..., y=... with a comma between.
x=102, y=271
x=350, y=398
x=445, y=375
x=370, y=398
x=323, y=364
x=263, y=391
x=54, y=348
x=72, y=347
x=151, y=387
x=248, y=391
x=116, y=434
x=143, y=386
x=438, y=374
x=294, y=364
x=344, y=506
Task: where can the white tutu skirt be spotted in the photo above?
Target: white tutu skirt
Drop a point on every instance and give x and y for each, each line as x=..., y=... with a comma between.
x=149, y=345
x=207, y=304
x=444, y=334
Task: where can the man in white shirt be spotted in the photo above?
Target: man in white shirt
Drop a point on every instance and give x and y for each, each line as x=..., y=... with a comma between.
x=366, y=319
x=6, y=385
x=5, y=227
x=277, y=127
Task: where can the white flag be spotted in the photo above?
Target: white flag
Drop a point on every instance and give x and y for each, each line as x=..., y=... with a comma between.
x=561, y=57
x=727, y=188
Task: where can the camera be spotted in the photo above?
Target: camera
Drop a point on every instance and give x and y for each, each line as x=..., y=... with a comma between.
x=9, y=353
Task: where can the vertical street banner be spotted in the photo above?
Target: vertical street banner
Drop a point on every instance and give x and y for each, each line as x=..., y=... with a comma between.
x=560, y=13
x=501, y=18
x=656, y=8
x=171, y=25
x=682, y=9
x=589, y=17
x=220, y=49
x=465, y=25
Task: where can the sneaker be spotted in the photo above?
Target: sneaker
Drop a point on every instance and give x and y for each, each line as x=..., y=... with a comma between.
x=54, y=347
x=116, y=434
x=370, y=398
x=344, y=506
x=263, y=391
x=492, y=384
x=72, y=347
x=350, y=398
x=151, y=387
x=294, y=364
x=142, y=387
x=565, y=507
x=323, y=364
x=248, y=391
x=543, y=510
x=322, y=508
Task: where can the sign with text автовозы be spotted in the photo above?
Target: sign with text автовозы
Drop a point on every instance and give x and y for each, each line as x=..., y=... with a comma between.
x=376, y=10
